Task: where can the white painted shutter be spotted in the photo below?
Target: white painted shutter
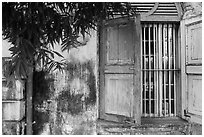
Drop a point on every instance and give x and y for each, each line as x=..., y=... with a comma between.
x=192, y=70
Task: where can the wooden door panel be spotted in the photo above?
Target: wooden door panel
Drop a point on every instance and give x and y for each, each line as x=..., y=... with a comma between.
x=191, y=47
x=120, y=49
x=119, y=91
x=118, y=75
x=125, y=41
x=111, y=42
x=194, y=42
x=194, y=67
x=195, y=94
x=119, y=94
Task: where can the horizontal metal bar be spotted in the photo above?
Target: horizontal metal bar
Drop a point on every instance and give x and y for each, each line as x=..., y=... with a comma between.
x=160, y=69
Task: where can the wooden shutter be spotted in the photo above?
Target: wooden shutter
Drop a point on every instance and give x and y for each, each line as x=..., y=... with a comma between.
x=119, y=56
x=119, y=66
x=191, y=43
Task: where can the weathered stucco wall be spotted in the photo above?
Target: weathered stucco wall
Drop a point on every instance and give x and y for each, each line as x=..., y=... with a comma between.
x=72, y=107
x=83, y=123
x=83, y=71
x=13, y=106
x=191, y=9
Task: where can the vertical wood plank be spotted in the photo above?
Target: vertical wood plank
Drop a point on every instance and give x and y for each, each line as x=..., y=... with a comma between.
x=183, y=68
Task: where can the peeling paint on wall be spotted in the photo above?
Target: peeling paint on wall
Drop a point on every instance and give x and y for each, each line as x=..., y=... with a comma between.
x=191, y=9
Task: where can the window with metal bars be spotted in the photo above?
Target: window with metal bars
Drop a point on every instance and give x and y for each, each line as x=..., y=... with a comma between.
x=159, y=68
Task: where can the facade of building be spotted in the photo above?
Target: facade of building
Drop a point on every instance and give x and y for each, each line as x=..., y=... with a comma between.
x=149, y=66
x=151, y=63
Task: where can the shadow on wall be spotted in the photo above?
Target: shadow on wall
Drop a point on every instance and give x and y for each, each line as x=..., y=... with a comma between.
x=42, y=92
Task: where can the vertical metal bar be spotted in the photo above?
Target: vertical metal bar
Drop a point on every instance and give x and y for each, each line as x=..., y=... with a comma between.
x=160, y=67
x=170, y=45
x=155, y=80
x=144, y=72
x=165, y=73
x=157, y=65
x=149, y=72
x=174, y=54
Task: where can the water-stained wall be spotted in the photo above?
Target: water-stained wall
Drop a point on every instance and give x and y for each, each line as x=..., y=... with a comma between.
x=13, y=104
x=71, y=108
